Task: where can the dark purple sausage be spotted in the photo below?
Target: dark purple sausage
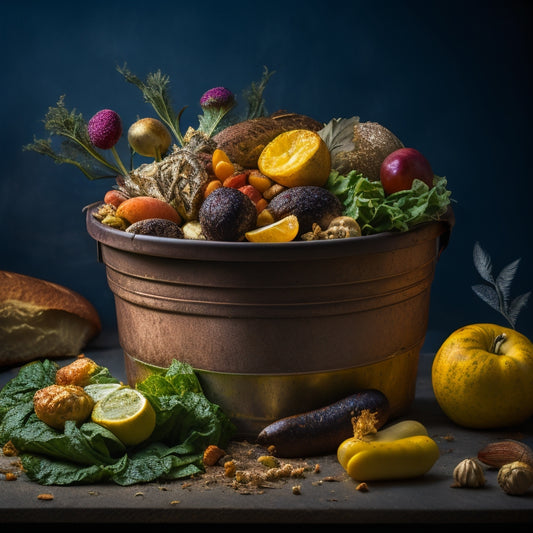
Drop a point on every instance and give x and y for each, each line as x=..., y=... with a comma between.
x=320, y=432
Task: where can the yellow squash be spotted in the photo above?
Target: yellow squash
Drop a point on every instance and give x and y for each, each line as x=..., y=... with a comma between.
x=403, y=450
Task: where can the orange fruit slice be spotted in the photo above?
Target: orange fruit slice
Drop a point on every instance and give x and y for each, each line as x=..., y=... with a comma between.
x=223, y=170
x=283, y=230
x=218, y=156
x=296, y=157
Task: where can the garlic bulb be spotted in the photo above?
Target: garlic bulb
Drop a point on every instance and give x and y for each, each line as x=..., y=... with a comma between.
x=515, y=478
x=469, y=473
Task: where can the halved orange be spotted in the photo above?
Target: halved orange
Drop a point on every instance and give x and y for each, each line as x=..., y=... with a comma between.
x=296, y=157
x=283, y=230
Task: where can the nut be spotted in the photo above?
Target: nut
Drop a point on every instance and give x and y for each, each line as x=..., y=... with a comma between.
x=469, y=473
x=272, y=191
x=497, y=454
x=515, y=478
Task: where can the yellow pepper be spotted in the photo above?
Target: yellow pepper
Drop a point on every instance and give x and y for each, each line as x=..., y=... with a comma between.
x=403, y=450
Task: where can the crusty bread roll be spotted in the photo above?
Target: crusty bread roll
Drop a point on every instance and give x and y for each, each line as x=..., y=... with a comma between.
x=40, y=319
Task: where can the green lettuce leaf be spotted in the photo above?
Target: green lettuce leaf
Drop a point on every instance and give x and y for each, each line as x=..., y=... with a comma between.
x=375, y=212
x=186, y=423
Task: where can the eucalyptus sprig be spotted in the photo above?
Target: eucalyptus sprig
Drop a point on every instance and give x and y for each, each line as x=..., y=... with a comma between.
x=497, y=291
x=155, y=91
x=76, y=147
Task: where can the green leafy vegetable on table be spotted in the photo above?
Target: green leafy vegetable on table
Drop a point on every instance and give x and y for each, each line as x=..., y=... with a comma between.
x=187, y=422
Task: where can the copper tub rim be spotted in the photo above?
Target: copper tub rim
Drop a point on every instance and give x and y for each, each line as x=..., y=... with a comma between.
x=250, y=251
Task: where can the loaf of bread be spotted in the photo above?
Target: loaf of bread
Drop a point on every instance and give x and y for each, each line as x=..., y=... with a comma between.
x=40, y=319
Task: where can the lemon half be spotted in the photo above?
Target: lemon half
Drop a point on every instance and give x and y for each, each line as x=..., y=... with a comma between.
x=98, y=391
x=127, y=414
x=296, y=157
x=283, y=230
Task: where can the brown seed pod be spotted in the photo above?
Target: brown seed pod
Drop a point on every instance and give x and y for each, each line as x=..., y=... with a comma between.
x=497, y=454
x=469, y=473
x=515, y=478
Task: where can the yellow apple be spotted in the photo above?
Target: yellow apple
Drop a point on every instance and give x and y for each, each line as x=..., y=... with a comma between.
x=482, y=377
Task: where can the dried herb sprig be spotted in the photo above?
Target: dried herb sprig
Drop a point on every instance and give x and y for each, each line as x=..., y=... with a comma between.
x=156, y=92
x=76, y=147
x=254, y=96
x=496, y=292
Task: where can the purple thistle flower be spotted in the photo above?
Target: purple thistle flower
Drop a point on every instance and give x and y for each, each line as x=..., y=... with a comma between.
x=217, y=97
x=105, y=129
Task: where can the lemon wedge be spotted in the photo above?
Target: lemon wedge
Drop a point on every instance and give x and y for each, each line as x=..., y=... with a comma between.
x=127, y=414
x=98, y=391
x=296, y=157
x=283, y=230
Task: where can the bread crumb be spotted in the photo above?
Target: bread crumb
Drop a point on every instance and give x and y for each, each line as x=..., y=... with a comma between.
x=362, y=487
x=230, y=468
x=9, y=449
x=212, y=454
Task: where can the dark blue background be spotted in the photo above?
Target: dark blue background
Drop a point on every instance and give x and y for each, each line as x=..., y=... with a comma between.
x=452, y=79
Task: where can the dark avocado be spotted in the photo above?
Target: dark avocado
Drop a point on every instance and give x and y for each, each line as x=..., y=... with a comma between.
x=156, y=227
x=226, y=215
x=309, y=203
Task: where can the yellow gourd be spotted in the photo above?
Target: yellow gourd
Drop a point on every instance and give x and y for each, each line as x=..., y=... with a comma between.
x=403, y=450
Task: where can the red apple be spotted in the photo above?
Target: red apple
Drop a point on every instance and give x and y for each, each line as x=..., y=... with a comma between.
x=401, y=167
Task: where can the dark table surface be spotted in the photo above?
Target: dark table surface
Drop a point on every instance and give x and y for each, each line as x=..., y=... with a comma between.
x=327, y=496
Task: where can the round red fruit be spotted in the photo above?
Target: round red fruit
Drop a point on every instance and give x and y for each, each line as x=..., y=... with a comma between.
x=114, y=197
x=401, y=167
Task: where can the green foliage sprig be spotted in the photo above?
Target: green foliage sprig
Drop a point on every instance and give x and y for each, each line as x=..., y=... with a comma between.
x=155, y=91
x=254, y=96
x=76, y=147
x=497, y=291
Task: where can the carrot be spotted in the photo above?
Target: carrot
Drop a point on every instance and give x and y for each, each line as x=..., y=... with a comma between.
x=236, y=181
x=260, y=205
x=252, y=192
x=211, y=186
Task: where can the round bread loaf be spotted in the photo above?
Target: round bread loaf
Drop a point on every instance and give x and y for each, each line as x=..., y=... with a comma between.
x=41, y=319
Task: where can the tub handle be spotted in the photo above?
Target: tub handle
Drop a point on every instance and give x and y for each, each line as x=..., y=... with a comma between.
x=444, y=238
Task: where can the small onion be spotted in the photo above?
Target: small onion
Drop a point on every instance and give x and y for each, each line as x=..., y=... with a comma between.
x=149, y=137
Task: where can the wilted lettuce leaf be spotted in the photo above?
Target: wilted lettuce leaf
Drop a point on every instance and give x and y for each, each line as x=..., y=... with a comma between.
x=375, y=212
x=186, y=423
